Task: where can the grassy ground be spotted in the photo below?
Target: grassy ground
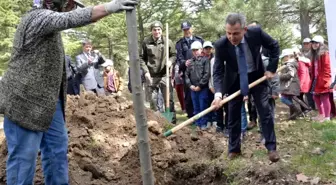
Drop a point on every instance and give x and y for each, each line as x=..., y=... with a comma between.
x=316, y=151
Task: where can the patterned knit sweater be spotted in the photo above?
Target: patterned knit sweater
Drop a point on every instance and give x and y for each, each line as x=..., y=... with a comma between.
x=31, y=86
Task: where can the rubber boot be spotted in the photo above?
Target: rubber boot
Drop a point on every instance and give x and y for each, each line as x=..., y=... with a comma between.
x=294, y=112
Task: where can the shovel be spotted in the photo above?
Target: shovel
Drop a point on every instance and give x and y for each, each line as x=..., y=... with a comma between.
x=167, y=114
x=212, y=108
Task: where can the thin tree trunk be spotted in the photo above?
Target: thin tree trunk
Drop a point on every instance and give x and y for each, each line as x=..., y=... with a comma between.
x=110, y=47
x=138, y=101
x=141, y=25
x=304, y=20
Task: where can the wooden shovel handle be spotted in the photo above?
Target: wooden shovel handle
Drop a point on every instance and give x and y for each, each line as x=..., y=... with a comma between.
x=212, y=108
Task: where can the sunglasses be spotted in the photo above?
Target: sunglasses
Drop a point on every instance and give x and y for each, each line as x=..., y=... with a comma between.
x=313, y=42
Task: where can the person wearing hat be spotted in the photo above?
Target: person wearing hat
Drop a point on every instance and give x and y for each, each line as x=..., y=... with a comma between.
x=304, y=78
x=197, y=80
x=306, y=47
x=208, y=49
x=113, y=83
x=306, y=52
x=221, y=122
x=153, y=63
x=321, y=77
x=33, y=100
x=215, y=117
x=208, y=52
x=183, y=54
x=289, y=82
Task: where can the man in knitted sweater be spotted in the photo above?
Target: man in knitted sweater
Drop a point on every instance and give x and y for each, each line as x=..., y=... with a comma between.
x=33, y=89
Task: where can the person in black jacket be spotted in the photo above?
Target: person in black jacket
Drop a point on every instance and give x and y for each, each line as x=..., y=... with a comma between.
x=241, y=51
x=197, y=79
x=71, y=72
x=183, y=54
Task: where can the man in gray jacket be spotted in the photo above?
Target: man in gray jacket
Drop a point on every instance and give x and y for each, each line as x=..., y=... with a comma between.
x=33, y=89
x=88, y=64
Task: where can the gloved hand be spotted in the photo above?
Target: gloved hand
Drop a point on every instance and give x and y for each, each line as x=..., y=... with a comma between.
x=116, y=6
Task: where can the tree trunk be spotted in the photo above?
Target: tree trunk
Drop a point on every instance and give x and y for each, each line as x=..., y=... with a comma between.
x=138, y=100
x=110, y=48
x=141, y=24
x=304, y=20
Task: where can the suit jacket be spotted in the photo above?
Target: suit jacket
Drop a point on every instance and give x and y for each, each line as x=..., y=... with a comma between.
x=71, y=69
x=226, y=77
x=91, y=74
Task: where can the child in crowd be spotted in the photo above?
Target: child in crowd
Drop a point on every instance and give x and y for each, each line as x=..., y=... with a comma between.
x=289, y=82
x=113, y=83
x=208, y=52
x=197, y=78
x=304, y=77
x=321, y=74
x=221, y=121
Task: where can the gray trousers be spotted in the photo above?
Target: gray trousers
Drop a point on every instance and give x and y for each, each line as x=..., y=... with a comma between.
x=157, y=88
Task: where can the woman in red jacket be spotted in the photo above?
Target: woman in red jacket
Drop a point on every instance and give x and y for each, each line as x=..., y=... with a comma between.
x=304, y=76
x=321, y=74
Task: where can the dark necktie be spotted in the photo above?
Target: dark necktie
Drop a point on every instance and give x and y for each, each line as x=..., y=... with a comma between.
x=243, y=73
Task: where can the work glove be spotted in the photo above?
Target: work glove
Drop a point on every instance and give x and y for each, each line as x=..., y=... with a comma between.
x=116, y=6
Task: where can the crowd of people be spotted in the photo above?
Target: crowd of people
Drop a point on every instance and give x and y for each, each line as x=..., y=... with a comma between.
x=201, y=74
x=94, y=72
x=204, y=72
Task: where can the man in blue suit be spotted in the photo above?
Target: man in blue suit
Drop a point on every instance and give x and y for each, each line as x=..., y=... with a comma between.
x=240, y=48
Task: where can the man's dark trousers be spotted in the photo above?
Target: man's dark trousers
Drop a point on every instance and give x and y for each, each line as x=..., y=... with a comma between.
x=260, y=94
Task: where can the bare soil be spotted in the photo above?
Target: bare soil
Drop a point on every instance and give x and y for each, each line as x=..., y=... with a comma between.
x=103, y=150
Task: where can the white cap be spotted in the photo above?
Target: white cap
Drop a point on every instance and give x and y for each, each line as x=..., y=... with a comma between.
x=286, y=52
x=296, y=50
x=306, y=40
x=207, y=44
x=318, y=38
x=107, y=62
x=196, y=45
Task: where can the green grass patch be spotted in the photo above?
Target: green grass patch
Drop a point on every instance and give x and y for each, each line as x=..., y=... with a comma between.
x=259, y=153
x=318, y=135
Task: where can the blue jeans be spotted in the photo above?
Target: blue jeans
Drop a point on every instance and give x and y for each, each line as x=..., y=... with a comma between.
x=200, y=102
x=243, y=118
x=24, y=145
x=287, y=100
x=213, y=117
